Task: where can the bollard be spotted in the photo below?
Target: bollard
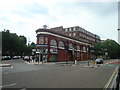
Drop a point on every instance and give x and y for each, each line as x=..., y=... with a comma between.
x=75, y=62
x=88, y=62
x=94, y=62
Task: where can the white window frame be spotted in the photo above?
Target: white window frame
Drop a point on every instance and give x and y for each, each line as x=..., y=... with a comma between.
x=74, y=34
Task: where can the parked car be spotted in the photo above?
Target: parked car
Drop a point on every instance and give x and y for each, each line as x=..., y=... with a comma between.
x=99, y=61
x=6, y=57
x=16, y=57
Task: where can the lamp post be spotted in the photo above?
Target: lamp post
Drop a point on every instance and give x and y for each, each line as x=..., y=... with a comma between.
x=67, y=51
x=88, y=52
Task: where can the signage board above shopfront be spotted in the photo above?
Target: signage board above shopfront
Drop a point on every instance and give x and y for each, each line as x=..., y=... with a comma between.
x=53, y=50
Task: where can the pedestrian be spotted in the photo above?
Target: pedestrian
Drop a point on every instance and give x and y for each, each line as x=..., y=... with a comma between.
x=37, y=58
x=46, y=58
x=33, y=58
x=29, y=59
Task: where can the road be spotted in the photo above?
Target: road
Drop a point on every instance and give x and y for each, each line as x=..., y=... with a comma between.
x=24, y=75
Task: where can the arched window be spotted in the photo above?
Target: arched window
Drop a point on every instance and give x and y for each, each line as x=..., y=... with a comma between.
x=78, y=47
x=41, y=40
x=84, y=48
x=70, y=46
x=46, y=40
x=61, y=44
x=53, y=43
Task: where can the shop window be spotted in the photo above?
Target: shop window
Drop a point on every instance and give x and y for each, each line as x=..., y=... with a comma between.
x=53, y=42
x=41, y=40
x=61, y=44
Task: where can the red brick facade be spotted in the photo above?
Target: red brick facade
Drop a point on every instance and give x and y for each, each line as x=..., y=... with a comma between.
x=52, y=45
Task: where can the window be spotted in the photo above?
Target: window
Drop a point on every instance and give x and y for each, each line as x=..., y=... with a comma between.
x=70, y=29
x=66, y=29
x=79, y=34
x=78, y=47
x=87, y=49
x=70, y=34
x=53, y=42
x=84, y=49
x=74, y=34
x=70, y=46
x=46, y=40
x=74, y=29
x=41, y=41
x=61, y=44
x=38, y=50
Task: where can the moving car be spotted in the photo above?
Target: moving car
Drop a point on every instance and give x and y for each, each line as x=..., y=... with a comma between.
x=99, y=61
x=26, y=58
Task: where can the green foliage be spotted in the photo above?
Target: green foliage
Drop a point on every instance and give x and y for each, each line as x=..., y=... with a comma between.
x=12, y=44
x=109, y=46
x=30, y=47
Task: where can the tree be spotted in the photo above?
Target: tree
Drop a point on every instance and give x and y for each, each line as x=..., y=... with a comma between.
x=109, y=46
x=23, y=45
x=30, y=47
x=112, y=47
x=13, y=44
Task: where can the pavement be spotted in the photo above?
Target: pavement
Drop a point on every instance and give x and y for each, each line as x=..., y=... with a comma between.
x=91, y=64
x=34, y=63
x=5, y=65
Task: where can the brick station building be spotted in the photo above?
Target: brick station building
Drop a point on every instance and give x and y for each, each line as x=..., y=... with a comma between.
x=64, y=44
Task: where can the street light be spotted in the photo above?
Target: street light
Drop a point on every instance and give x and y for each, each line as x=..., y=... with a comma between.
x=67, y=50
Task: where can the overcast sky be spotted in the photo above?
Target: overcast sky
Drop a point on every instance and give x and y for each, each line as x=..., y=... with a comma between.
x=25, y=16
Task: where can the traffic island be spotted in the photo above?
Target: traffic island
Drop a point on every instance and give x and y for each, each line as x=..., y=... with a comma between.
x=6, y=65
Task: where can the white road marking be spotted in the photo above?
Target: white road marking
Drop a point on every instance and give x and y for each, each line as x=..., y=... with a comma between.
x=11, y=66
x=108, y=83
x=8, y=85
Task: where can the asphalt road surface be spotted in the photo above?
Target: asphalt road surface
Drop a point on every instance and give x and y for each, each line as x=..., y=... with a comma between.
x=23, y=75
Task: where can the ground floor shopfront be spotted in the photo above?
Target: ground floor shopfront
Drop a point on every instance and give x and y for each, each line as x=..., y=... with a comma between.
x=53, y=46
